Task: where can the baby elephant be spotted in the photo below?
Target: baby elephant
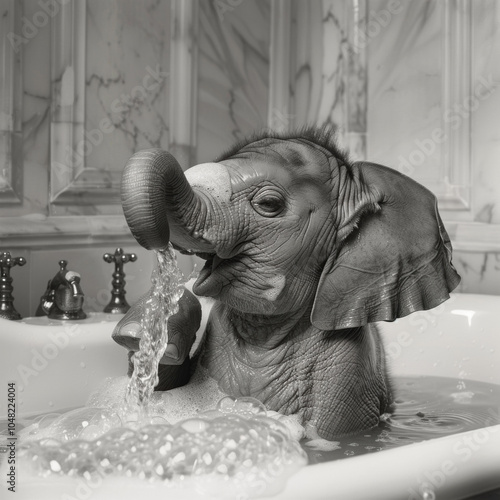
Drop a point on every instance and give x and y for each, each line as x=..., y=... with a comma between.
x=305, y=251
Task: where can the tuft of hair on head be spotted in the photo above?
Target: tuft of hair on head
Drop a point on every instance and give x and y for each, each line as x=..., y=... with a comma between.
x=324, y=136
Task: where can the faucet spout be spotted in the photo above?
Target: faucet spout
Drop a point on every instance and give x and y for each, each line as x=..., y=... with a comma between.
x=73, y=280
x=64, y=296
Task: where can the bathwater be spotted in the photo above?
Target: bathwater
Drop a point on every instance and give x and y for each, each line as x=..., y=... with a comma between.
x=425, y=408
x=251, y=449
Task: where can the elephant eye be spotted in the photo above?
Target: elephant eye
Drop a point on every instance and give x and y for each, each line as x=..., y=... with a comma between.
x=268, y=204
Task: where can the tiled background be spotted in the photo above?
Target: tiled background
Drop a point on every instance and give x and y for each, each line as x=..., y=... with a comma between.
x=194, y=76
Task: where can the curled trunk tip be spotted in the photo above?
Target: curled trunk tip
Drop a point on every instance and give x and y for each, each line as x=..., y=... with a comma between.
x=143, y=193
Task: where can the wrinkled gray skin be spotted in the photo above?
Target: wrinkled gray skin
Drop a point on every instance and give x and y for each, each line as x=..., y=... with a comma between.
x=303, y=254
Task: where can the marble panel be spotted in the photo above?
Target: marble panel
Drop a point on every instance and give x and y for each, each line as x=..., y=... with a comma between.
x=110, y=98
x=413, y=91
x=480, y=271
x=10, y=104
x=233, y=73
x=33, y=45
x=320, y=49
x=126, y=78
x=405, y=63
x=485, y=129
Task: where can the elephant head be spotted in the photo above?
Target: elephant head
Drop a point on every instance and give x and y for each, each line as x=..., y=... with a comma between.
x=300, y=244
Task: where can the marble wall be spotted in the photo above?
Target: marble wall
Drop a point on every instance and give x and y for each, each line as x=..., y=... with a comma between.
x=233, y=73
x=434, y=101
x=87, y=100
x=412, y=85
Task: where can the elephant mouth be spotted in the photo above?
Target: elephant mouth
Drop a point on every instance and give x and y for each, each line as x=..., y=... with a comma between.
x=208, y=283
x=217, y=268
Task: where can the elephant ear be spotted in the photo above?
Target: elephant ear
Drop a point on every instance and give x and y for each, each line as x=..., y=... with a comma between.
x=396, y=262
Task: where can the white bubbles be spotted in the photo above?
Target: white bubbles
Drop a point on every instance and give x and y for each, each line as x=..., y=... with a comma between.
x=200, y=395
x=55, y=466
x=82, y=423
x=249, y=451
x=241, y=406
x=194, y=425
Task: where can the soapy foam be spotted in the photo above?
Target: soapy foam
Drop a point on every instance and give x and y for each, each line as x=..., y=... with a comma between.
x=229, y=449
x=201, y=394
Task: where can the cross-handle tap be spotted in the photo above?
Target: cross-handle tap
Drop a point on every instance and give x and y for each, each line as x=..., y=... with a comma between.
x=64, y=297
x=7, y=262
x=118, y=304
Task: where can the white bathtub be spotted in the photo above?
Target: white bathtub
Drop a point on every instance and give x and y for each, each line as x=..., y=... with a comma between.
x=459, y=339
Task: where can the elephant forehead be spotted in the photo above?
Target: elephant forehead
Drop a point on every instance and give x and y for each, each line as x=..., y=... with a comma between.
x=284, y=161
x=249, y=172
x=298, y=183
x=212, y=178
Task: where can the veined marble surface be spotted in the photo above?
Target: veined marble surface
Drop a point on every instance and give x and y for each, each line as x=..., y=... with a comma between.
x=125, y=75
x=405, y=76
x=233, y=73
x=319, y=51
x=481, y=270
x=33, y=166
x=485, y=129
x=127, y=66
x=329, y=75
x=406, y=71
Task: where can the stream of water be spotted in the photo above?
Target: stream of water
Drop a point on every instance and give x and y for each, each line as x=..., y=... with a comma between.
x=167, y=289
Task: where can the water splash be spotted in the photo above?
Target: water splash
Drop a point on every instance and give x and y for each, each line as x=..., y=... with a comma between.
x=162, y=303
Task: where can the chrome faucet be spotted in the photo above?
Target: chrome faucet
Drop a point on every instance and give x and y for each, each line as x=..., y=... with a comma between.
x=63, y=298
x=7, y=309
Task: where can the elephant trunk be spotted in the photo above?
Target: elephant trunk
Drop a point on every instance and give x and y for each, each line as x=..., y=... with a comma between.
x=160, y=205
